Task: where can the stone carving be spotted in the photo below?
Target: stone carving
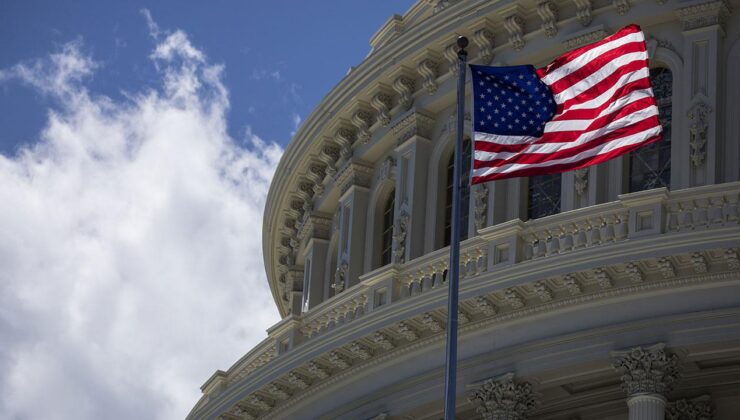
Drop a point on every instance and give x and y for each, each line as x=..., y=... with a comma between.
x=383, y=341
x=432, y=324
x=462, y=317
x=483, y=38
x=548, y=12
x=543, y=291
x=450, y=53
x=399, y=236
x=587, y=38
x=316, y=173
x=337, y=360
x=387, y=169
x=404, y=86
x=514, y=25
x=439, y=5
x=428, y=70
x=359, y=351
x=573, y=286
x=481, y=205
x=732, y=259
x=413, y=124
x=340, y=278
x=406, y=331
x=698, y=127
x=622, y=6
x=382, y=103
x=344, y=137
x=513, y=298
x=277, y=392
x=259, y=402
x=503, y=399
x=704, y=14
x=242, y=413
x=329, y=156
x=484, y=306
x=580, y=180
x=583, y=11
x=317, y=371
x=647, y=370
x=362, y=120
x=699, y=408
x=297, y=381
x=603, y=278
x=699, y=262
x=666, y=268
x=634, y=273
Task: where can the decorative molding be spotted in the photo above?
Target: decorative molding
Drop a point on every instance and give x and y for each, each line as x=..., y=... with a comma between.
x=573, y=286
x=603, y=278
x=354, y=174
x=514, y=25
x=329, y=155
x=383, y=341
x=583, y=12
x=581, y=38
x=647, y=370
x=345, y=138
x=413, y=124
x=484, y=306
x=704, y=14
x=362, y=120
x=387, y=169
x=622, y=6
x=430, y=323
x=317, y=371
x=580, y=180
x=732, y=259
x=400, y=229
x=297, y=381
x=382, y=102
x=428, y=68
x=699, y=408
x=450, y=54
x=462, y=317
x=667, y=269
x=548, y=12
x=503, y=399
x=340, y=278
x=481, y=206
x=404, y=85
x=699, y=262
x=634, y=272
x=698, y=127
x=259, y=402
x=513, y=298
x=484, y=39
x=407, y=331
x=277, y=392
x=359, y=351
x=543, y=291
x=337, y=360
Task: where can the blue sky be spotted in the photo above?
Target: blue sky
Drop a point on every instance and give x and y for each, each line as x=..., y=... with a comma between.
x=280, y=57
x=137, y=146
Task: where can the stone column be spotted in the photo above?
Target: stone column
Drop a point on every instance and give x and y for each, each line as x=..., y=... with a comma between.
x=503, y=399
x=648, y=375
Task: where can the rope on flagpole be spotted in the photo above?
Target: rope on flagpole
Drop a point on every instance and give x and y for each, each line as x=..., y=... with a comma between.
x=454, y=270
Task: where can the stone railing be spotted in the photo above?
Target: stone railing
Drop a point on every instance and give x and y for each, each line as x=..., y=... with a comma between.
x=634, y=217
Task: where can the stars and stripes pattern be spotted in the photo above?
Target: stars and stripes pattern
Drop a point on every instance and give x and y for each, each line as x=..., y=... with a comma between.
x=587, y=106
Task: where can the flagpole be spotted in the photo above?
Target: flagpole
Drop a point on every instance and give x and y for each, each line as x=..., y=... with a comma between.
x=454, y=269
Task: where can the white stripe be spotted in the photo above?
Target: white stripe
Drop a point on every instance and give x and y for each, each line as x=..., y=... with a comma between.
x=607, y=95
x=574, y=125
x=547, y=148
x=584, y=58
x=501, y=139
x=600, y=150
x=604, y=72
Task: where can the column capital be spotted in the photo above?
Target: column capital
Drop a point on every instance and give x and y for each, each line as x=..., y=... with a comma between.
x=503, y=399
x=647, y=370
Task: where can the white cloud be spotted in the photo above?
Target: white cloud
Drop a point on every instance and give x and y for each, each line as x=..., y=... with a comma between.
x=296, y=123
x=130, y=243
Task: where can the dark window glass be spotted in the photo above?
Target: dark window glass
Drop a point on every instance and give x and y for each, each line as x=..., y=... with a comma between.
x=650, y=166
x=387, y=237
x=543, y=198
x=464, y=194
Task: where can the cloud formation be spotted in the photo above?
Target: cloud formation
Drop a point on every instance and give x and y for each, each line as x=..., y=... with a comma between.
x=130, y=242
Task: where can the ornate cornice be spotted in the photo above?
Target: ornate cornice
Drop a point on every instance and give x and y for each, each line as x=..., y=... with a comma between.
x=413, y=124
x=704, y=14
x=699, y=408
x=354, y=174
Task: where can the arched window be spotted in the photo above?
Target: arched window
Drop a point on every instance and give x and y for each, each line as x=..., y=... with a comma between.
x=543, y=195
x=386, y=239
x=464, y=195
x=650, y=166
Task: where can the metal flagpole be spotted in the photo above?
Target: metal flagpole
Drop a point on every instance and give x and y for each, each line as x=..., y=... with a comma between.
x=454, y=270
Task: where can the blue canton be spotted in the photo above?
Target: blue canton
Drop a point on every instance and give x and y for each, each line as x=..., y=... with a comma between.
x=510, y=101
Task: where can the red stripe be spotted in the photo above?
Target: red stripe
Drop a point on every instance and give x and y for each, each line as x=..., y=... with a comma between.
x=603, y=85
x=533, y=158
x=594, y=65
x=553, y=169
x=591, y=113
x=571, y=55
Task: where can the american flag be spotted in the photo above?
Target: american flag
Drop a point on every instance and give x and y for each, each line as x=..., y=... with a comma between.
x=589, y=105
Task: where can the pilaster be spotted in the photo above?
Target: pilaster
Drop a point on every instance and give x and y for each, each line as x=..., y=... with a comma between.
x=699, y=149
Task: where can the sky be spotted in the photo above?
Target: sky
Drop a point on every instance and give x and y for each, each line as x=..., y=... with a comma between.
x=137, y=145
